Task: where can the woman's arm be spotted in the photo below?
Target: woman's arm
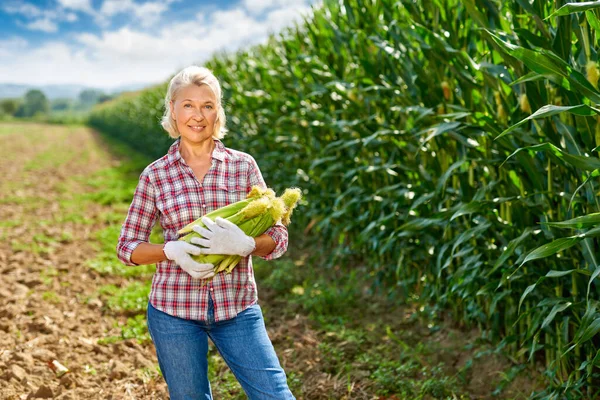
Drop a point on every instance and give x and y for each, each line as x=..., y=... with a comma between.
x=264, y=245
x=138, y=224
x=148, y=253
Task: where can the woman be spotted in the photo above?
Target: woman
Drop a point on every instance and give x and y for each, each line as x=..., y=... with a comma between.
x=198, y=175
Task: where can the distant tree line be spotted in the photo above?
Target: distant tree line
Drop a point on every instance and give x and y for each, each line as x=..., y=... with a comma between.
x=35, y=103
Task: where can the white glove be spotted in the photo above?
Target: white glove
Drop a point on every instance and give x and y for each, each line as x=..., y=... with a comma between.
x=179, y=251
x=223, y=237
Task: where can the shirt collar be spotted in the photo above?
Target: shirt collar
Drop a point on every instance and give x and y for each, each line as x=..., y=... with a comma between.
x=219, y=152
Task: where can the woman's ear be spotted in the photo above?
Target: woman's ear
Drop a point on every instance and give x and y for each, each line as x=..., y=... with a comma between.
x=172, y=109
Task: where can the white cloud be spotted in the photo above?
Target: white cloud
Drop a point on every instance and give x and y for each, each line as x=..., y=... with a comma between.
x=277, y=19
x=129, y=55
x=113, y=7
x=39, y=20
x=44, y=25
x=24, y=9
x=8, y=47
x=258, y=6
x=147, y=14
x=78, y=5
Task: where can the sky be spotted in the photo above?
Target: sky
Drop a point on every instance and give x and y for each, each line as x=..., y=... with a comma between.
x=113, y=43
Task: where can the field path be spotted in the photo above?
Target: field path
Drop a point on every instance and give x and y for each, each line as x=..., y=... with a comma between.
x=49, y=306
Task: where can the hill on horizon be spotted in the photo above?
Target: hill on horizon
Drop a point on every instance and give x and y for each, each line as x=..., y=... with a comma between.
x=61, y=91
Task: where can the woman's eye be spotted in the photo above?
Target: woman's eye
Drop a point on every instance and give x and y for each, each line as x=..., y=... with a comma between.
x=209, y=107
x=187, y=105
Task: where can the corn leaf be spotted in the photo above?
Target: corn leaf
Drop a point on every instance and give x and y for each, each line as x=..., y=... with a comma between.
x=550, y=110
x=585, y=221
x=581, y=162
x=571, y=8
x=551, y=248
x=593, y=20
x=547, y=63
x=528, y=290
x=586, y=333
x=555, y=310
x=510, y=249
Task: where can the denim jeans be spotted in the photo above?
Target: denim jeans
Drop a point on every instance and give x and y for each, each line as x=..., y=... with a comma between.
x=182, y=348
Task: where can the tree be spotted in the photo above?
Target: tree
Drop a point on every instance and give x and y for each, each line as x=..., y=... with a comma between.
x=35, y=102
x=9, y=106
x=60, y=104
x=89, y=97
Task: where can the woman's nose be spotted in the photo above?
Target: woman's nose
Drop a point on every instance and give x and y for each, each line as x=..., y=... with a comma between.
x=198, y=113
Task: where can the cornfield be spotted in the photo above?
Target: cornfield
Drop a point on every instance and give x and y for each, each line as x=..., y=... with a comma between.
x=452, y=145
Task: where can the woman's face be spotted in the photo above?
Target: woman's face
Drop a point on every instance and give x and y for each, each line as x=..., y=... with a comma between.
x=195, y=112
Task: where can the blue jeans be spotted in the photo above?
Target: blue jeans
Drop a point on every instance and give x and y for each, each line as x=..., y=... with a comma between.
x=182, y=348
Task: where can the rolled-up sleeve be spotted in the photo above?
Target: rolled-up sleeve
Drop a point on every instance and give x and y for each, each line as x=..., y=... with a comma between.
x=140, y=219
x=277, y=232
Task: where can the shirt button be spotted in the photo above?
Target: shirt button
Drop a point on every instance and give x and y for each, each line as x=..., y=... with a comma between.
x=211, y=289
x=204, y=205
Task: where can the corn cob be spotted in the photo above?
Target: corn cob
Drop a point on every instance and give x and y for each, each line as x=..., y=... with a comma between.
x=254, y=215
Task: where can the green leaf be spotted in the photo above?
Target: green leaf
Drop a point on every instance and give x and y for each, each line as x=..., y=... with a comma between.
x=420, y=224
x=526, y=292
x=529, y=77
x=551, y=248
x=446, y=175
x=586, y=221
x=594, y=232
x=550, y=110
x=571, y=8
x=555, y=310
x=594, y=174
x=581, y=162
x=585, y=333
x=536, y=61
x=469, y=208
x=547, y=63
x=593, y=20
x=510, y=249
x=474, y=12
x=558, y=274
x=594, y=276
x=440, y=129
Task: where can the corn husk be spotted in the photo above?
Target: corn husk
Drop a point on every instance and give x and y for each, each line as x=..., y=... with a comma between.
x=254, y=215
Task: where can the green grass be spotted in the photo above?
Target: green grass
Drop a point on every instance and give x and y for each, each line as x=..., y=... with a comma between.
x=396, y=356
x=48, y=275
x=51, y=297
x=106, y=261
x=135, y=328
x=132, y=299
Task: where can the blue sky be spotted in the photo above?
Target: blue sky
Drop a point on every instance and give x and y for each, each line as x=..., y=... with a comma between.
x=111, y=43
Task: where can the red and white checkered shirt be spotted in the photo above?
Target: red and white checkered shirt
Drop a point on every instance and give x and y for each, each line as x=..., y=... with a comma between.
x=169, y=191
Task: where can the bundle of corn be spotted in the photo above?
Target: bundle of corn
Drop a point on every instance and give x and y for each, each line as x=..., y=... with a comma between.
x=254, y=215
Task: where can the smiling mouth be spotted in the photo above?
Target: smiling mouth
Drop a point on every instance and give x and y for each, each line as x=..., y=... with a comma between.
x=197, y=128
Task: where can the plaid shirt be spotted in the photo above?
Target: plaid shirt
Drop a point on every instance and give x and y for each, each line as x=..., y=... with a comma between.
x=169, y=191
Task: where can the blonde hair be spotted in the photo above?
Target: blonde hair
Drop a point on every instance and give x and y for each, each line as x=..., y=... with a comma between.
x=193, y=75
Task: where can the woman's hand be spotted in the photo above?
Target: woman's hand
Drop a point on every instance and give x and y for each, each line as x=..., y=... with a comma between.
x=179, y=251
x=223, y=237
